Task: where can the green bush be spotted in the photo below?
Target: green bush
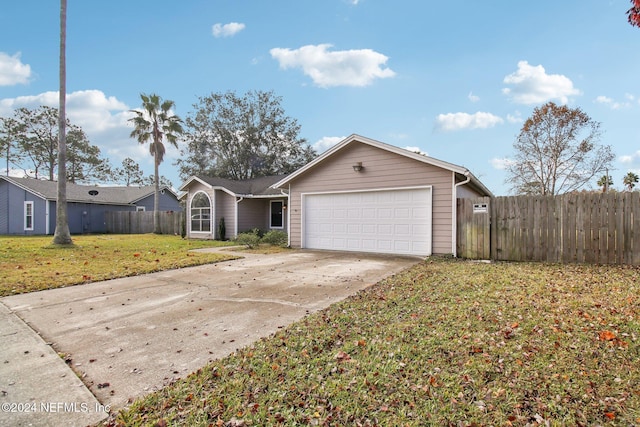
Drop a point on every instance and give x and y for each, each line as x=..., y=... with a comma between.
x=222, y=229
x=275, y=238
x=250, y=239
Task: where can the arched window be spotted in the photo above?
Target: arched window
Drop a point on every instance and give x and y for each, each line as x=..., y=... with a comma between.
x=200, y=212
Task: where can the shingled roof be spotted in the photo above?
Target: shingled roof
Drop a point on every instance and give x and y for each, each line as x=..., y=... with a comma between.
x=48, y=190
x=247, y=188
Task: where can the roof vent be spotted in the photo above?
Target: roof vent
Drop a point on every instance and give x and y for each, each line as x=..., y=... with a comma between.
x=93, y=192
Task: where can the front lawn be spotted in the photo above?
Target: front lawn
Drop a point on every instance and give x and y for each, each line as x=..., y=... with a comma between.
x=30, y=264
x=448, y=343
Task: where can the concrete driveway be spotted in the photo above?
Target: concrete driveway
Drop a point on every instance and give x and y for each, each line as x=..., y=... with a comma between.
x=128, y=337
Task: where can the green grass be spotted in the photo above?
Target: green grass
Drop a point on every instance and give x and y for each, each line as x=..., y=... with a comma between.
x=444, y=343
x=30, y=264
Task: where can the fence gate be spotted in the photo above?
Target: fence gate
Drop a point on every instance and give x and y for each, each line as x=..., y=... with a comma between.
x=473, y=232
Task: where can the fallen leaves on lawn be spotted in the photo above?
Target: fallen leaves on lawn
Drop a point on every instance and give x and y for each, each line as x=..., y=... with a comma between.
x=444, y=343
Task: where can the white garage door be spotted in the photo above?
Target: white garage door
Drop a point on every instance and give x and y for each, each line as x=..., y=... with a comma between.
x=388, y=221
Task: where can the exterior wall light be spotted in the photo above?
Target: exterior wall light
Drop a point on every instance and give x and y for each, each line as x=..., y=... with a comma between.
x=358, y=167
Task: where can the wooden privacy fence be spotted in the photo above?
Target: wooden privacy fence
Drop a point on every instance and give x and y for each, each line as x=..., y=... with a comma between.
x=141, y=222
x=584, y=228
x=473, y=232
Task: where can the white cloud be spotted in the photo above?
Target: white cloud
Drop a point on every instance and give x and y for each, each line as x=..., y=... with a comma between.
x=473, y=98
x=227, y=30
x=13, y=71
x=515, y=118
x=532, y=85
x=104, y=120
x=324, y=143
x=611, y=103
x=89, y=109
x=501, y=164
x=629, y=158
x=416, y=150
x=337, y=68
x=458, y=121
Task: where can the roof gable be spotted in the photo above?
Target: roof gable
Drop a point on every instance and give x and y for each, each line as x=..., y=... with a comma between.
x=48, y=190
x=354, y=139
x=262, y=186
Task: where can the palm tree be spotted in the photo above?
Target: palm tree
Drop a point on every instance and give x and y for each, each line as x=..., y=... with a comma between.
x=154, y=123
x=605, y=182
x=630, y=180
x=62, y=236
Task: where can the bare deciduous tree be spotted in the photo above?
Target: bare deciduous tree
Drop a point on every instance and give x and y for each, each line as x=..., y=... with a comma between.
x=557, y=151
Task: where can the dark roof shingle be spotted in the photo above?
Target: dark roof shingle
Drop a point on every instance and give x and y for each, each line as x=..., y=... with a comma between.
x=255, y=187
x=80, y=193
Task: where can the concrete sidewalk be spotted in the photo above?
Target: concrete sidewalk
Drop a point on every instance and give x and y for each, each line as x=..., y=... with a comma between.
x=37, y=388
x=128, y=337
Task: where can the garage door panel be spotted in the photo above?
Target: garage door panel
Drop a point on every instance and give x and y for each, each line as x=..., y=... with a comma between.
x=384, y=213
x=419, y=213
x=402, y=246
x=385, y=229
x=325, y=228
x=384, y=245
x=354, y=229
x=368, y=213
x=390, y=221
x=402, y=229
x=339, y=228
x=368, y=228
x=402, y=213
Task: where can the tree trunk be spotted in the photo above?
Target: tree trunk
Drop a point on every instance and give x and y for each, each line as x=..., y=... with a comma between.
x=156, y=198
x=62, y=236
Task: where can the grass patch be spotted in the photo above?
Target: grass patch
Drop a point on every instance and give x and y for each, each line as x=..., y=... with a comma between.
x=30, y=264
x=444, y=343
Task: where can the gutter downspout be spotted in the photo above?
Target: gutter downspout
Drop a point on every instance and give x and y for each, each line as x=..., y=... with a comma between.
x=288, y=214
x=455, y=212
x=236, y=214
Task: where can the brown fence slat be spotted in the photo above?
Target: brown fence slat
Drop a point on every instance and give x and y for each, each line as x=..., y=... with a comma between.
x=581, y=227
x=473, y=229
x=141, y=222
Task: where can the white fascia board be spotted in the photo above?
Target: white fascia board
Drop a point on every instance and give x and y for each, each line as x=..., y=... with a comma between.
x=190, y=180
x=383, y=146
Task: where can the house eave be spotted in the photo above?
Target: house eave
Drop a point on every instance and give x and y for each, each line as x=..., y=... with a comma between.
x=383, y=146
x=25, y=188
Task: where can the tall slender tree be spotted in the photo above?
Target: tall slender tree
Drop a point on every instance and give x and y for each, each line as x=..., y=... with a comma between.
x=154, y=123
x=605, y=182
x=62, y=235
x=9, y=130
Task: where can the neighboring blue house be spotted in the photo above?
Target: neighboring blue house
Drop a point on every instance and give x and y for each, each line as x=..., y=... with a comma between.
x=28, y=206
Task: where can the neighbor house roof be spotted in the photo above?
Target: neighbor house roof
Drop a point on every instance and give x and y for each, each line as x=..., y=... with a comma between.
x=401, y=151
x=48, y=190
x=257, y=187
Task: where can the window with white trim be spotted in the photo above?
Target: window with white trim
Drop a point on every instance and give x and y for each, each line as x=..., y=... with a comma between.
x=277, y=214
x=140, y=209
x=28, y=216
x=200, y=212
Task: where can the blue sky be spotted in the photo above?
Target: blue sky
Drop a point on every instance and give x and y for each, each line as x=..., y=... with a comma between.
x=455, y=80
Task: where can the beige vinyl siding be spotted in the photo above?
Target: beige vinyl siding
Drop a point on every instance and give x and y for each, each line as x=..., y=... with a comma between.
x=467, y=192
x=256, y=213
x=225, y=207
x=251, y=214
x=382, y=169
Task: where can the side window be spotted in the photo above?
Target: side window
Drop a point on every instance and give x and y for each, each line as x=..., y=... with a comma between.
x=28, y=215
x=200, y=213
